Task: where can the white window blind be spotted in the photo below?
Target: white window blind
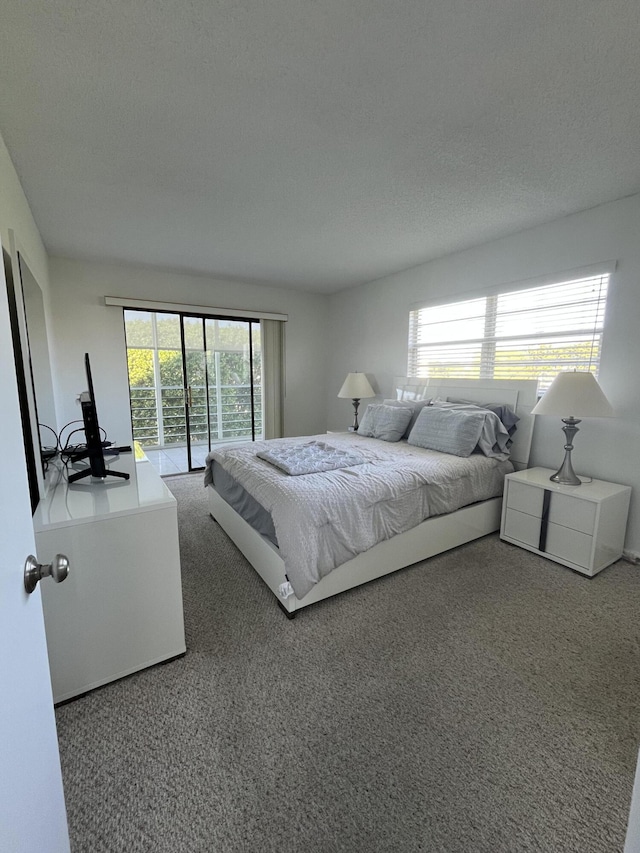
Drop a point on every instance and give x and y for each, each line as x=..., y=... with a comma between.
x=529, y=333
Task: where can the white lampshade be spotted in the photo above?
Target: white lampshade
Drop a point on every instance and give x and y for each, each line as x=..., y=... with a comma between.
x=574, y=394
x=356, y=386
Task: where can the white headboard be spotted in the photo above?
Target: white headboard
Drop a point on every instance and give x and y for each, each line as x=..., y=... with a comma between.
x=520, y=395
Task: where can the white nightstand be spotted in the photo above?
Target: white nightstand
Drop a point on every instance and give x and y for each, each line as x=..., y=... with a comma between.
x=578, y=526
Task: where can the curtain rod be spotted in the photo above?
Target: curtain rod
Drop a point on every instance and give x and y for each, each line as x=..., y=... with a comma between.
x=182, y=308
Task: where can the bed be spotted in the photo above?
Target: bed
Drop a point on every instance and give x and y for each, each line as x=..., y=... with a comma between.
x=433, y=507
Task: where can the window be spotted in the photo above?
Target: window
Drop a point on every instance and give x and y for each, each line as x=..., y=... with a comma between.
x=521, y=334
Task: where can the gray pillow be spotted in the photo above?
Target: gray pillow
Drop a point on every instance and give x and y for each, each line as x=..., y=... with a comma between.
x=504, y=412
x=385, y=422
x=416, y=407
x=448, y=430
x=455, y=428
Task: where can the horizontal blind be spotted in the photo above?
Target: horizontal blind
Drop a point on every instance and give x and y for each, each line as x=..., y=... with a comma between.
x=522, y=334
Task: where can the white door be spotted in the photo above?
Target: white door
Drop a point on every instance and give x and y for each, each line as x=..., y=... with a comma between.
x=32, y=810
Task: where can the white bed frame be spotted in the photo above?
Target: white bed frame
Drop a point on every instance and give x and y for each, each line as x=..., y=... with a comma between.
x=432, y=537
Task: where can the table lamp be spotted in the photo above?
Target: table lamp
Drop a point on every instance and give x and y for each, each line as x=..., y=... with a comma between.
x=356, y=386
x=574, y=395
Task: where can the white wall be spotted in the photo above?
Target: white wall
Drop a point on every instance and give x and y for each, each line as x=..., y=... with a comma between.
x=83, y=323
x=16, y=217
x=15, y=214
x=369, y=330
x=16, y=220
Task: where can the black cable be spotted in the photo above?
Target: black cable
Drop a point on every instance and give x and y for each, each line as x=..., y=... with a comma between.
x=76, y=421
x=103, y=432
x=67, y=451
x=44, y=426
x=66, y=426
x=73, y=432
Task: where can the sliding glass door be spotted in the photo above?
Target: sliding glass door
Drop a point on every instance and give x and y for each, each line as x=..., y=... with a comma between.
x=194, y=382
x=233, y=358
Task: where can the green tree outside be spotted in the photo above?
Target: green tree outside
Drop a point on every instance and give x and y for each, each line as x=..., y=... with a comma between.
x=226, y=364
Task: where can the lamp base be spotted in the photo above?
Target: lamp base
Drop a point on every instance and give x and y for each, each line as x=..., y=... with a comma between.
x=565, y=475
x=356, y=403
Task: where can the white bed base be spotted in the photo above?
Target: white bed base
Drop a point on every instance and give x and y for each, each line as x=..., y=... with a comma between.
x=431, y=537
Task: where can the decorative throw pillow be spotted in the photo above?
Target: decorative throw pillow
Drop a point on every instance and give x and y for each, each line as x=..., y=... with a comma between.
x=385, y=422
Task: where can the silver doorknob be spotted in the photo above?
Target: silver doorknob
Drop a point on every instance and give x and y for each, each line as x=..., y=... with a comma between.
x=34, y=571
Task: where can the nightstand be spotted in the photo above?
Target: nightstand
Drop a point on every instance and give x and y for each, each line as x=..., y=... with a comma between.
x=581, y=527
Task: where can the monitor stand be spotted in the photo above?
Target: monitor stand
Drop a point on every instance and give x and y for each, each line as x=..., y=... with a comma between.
x=79, y=475
x=94, y=463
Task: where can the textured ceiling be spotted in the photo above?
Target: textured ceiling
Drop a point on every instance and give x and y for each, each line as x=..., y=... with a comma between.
x=314, y=143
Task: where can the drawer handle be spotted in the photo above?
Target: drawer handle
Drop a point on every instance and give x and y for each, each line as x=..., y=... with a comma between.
x=544, y=521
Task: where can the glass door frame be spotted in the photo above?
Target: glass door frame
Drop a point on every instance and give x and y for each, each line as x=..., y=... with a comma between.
x=187, y=389
x=188, y=396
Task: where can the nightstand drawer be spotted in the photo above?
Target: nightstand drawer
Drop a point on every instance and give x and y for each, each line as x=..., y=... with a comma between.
x=561, y=542
x=566, y=510
x=570, y=511
x=523, y=527
x=567, y=544
x=525, y=498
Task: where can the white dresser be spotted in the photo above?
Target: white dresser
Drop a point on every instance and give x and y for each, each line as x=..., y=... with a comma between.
x=581, y=527
x=120, y=608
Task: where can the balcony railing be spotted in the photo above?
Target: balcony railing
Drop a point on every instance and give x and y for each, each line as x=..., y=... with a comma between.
x=229, y=413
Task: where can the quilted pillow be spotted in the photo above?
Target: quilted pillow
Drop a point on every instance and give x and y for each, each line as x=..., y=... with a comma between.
x=385, y=422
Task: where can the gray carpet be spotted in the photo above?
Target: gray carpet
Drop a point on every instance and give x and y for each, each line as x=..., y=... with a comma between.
x=484, y=700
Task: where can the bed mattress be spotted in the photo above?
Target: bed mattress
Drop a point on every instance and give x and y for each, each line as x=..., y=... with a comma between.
x=320, y=521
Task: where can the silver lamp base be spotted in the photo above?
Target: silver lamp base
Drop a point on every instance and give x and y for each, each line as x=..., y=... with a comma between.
x=356, y=403
x=565, y=475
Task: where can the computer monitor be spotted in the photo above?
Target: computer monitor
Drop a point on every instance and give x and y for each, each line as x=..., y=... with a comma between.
x=94, y=450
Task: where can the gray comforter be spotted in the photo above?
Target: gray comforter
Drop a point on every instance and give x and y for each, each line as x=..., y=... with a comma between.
x=325, y=519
